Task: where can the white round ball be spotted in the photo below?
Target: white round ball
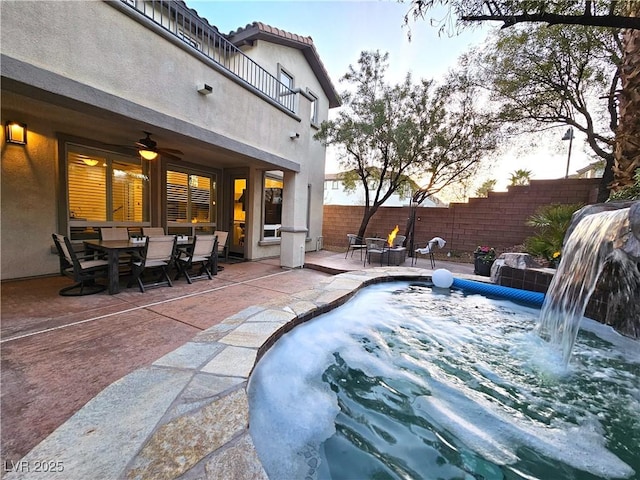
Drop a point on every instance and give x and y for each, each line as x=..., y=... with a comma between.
x=442, y=278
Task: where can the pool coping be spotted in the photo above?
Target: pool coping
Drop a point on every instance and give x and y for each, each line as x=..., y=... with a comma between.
x=187, y=414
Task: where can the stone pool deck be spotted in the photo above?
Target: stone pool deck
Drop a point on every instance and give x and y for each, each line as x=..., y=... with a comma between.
x=186, y=415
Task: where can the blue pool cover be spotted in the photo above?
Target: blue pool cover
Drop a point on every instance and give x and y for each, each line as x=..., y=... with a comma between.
x=523, y=296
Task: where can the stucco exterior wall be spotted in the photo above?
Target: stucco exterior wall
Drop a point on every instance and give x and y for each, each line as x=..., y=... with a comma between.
x=141, y=67
x=270, y=56
x=29, y=208
x=94, y=66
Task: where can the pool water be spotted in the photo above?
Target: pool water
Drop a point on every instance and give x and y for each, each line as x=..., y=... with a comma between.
x=409, y=382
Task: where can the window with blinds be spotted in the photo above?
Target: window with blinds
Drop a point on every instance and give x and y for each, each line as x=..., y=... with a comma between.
x=104, y=188
x=191, y=199
x=87, y=186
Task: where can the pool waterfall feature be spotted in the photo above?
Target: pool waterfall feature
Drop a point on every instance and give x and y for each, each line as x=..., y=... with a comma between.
x=601, y=249
x=461, y=408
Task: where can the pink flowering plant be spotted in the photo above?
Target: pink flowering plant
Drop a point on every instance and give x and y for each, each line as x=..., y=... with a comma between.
x=485, y=253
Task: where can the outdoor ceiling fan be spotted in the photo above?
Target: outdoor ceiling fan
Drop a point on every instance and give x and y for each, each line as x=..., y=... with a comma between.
x=148, y=148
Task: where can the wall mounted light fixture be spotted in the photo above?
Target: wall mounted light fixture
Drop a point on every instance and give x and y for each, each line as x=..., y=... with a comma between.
x=205, y=89
x=16, y=133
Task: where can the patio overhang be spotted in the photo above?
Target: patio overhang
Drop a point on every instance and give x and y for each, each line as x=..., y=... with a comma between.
x=121, y=120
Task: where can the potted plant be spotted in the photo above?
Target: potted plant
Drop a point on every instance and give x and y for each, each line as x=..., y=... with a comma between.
x=484, y=257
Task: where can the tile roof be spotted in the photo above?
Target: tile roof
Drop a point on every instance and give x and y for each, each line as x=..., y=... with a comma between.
x=262, y=31
x=268, y=29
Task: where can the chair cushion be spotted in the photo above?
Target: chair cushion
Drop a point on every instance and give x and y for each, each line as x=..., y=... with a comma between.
x=86, y=264
x=155, y=263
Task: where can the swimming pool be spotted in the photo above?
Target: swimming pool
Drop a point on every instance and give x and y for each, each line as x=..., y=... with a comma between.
x=406, y=381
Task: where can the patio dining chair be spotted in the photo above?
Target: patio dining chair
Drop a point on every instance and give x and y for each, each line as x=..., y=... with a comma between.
x=118, y=233
x=82, y=269
x=158, y=255
x=355, y=243
x=223, y=245
x=203, y=252
x=153, y=231
x=114, y=233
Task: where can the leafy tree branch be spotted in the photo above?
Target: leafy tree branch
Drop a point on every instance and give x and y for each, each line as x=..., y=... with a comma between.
x=388, y=135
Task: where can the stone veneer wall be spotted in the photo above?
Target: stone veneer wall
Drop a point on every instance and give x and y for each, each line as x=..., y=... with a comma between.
x=497, y=220
x=538, y=280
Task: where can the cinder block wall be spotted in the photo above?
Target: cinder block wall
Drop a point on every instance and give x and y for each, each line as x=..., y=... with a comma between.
x=498, y=220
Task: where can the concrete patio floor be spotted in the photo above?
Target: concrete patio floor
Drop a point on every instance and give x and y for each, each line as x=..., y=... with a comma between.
x=58, y=353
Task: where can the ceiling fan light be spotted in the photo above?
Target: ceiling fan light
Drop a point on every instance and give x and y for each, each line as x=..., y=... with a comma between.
x=148, y=154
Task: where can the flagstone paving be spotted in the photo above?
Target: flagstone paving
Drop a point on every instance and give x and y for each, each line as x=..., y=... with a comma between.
x=181, y=408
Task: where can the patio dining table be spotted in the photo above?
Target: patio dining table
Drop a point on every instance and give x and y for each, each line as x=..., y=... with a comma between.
x=113, y=248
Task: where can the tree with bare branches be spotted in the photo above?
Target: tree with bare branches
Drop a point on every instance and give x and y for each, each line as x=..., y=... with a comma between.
x=387, y=134
x=540, y=77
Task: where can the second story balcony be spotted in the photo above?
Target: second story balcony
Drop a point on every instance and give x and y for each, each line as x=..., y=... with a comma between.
x=180, y=21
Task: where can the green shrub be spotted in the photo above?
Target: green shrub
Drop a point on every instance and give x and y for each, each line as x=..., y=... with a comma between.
x=632, y=192
x=551, y=223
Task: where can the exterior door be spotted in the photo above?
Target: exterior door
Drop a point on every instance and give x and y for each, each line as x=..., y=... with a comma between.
x=238, y=203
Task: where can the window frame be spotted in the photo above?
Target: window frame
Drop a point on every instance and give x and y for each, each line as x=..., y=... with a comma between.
x=291, y=103
x=67, y=144
x=189, y=227
x=282, y=71
x=277, y=177
x=315, y=105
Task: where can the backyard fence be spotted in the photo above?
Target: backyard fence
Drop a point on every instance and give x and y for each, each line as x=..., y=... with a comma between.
x=498, y=220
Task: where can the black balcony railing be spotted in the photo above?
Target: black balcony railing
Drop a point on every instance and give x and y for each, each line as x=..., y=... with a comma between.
x=186, y=25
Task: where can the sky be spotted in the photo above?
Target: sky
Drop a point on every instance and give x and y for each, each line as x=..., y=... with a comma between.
x=342, y=29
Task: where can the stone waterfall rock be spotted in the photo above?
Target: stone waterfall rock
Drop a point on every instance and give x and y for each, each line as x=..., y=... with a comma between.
x=521, y=261
x=619, y=281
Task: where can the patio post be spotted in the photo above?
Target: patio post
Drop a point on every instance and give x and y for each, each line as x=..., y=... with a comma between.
x=293, y=234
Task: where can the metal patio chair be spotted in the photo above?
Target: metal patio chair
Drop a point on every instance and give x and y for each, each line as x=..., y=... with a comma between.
x=435, y=242
x=399, y=241
x=159, y=255
x=203, y=252
x=376, y=246
x=83, y=270
x=355, y=243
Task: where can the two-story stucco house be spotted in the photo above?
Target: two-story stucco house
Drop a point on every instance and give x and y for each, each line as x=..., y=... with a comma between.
x=233, y=117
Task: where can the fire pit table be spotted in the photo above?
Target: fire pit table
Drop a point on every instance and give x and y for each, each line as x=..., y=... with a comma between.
x=390, y=256
x=395, y=255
